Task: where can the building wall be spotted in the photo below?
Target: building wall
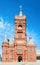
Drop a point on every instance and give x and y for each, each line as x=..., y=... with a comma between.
x=11, y=52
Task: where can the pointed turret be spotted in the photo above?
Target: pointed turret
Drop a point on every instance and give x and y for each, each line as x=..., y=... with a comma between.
x=30, y=41
x=5, y=38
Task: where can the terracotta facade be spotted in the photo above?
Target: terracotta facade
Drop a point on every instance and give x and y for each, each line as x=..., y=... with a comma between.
x=20, y=50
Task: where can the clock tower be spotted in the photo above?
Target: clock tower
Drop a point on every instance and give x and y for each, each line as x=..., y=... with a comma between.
x=20, y=29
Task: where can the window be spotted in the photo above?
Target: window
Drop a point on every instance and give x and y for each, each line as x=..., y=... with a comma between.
x=30, y=49
x=11, y=50
x=6, y=50
x=19, y=49
x=11, y=57
x=30, y=52
x=6, y=58
x=20, y=27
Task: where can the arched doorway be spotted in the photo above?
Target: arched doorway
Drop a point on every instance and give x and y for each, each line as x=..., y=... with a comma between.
x=19, y=59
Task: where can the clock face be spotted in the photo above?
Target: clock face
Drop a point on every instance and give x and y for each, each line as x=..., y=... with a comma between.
x=20, y=27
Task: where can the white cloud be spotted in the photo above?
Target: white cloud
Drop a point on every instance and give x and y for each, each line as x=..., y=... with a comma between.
x=1, y=19
x=1, y=25
x=6, y=28
x=1, y=22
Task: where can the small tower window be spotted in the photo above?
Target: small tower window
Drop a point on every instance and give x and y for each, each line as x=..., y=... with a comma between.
x=20, y=27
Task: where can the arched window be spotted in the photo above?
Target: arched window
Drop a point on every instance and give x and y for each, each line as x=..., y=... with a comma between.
x=20, y=27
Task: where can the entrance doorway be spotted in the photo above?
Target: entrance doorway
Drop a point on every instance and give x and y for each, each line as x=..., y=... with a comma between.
x=19, y=59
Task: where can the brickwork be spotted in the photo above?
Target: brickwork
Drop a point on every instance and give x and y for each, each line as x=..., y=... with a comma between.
x=20, y=50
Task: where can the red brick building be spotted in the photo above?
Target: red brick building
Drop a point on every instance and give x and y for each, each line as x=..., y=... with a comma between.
x=20, y=50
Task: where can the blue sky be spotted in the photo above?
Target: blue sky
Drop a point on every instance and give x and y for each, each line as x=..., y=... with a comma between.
x=10, y=8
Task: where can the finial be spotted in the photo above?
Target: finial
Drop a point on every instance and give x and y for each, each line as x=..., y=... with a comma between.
x=5, y=38
x=20, y=14
x=30, y=40
x=20, y=7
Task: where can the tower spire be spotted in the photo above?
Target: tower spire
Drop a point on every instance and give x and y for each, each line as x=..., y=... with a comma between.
x=20, y=13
